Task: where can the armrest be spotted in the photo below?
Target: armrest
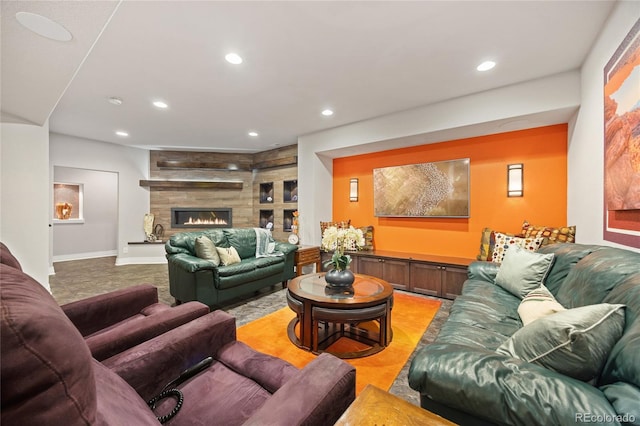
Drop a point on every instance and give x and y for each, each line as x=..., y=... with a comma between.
x=98, y=312
x=110, y=342
x=152, y=364
x=482, y=270
x=502, y=389
x=286, y=248
x=191, y=263
x=318, y=394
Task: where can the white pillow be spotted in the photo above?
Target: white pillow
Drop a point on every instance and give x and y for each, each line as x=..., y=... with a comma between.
x=522, y=270
x=537, y=304
x=228, y=255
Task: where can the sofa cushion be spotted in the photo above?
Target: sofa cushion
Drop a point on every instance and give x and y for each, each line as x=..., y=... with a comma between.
x=566, y=257
x=205, y=249
x=522, y=271
x=537, y=304
x=243, y=240
x=592, y=278
x=503, y=242
x=43, y=381
x=575, y=342
x=228, y=255
x=7, y=258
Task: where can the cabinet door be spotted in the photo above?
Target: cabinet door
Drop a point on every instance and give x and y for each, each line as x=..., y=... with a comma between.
x=426, y=278
x=396, y=273
x=452, y=279
x=370, y=266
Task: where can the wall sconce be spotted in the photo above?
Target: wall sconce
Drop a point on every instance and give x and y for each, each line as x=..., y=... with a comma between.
x=353, y=190
x=515, y=180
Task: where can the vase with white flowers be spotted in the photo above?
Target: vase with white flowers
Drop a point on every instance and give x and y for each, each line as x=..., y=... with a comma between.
x=340, y=240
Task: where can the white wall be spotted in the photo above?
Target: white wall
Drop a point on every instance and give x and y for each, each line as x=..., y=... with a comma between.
x=546, y=101
x=97, y=234
x=131, y=165
x=25, y=195
x=586, y=149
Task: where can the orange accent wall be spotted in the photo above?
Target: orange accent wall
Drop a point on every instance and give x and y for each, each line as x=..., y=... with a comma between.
x=543, y=151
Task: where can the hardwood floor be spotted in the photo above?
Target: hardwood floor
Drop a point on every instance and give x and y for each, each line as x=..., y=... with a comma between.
x=79, y=279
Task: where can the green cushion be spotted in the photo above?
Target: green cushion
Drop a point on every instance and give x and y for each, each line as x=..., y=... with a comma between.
x=522, y=270
x=205, y=249
x=575, y=342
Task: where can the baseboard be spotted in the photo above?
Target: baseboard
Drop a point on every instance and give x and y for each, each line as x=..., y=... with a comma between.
x=81, y=256
x=153, y=260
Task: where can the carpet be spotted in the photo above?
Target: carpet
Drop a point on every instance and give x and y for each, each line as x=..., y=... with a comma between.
x=410, y=318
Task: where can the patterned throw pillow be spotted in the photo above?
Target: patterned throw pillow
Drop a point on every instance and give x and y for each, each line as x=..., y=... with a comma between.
x=565, y=234
x=487, y=241
x=340, y=225
x=367, y=232
x=504, y=241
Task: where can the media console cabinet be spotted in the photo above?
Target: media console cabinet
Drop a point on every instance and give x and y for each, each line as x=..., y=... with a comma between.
x=440, y=276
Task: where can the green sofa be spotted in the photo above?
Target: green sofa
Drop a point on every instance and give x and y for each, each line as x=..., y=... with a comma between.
x=192, y=278
x=461, y=376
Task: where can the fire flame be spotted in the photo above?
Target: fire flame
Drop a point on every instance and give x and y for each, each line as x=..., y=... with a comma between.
x=215, y=221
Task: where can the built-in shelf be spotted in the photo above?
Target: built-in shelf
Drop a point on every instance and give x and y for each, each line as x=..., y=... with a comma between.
x=266, y=192
x=189, y=184
x=287, y=222
x=266, y=217
x=290, y=193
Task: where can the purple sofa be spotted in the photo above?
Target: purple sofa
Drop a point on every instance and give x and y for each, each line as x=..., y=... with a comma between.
x=48, y=376
x=121, y=319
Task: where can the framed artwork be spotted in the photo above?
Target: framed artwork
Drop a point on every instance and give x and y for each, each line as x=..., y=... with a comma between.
x=438, y=189
x=622, y=142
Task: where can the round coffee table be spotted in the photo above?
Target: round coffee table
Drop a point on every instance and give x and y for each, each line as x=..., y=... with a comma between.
x=326, y=314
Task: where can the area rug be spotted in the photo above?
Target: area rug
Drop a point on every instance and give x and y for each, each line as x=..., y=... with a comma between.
x=410, y=318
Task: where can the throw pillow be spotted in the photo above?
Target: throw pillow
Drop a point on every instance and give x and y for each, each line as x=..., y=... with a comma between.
x=537, y=304
x=503, y=242
x=367, y=233
x=522, y=270
x=551, y=235
x=228, y=255
x=341, y=224
x=575, y=342
x=486, y=248
x=205, y=249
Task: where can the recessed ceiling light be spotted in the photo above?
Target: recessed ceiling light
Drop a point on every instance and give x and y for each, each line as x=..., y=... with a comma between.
x=43, y=26
x=122, y=133
x=115, y=101
x=233, y=58
x=327, y=112
x=160, y=104
x=253, y=134
x=486, y=66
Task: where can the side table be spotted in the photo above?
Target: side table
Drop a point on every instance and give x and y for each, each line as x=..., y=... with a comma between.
x=376, y=407
x=307, y=255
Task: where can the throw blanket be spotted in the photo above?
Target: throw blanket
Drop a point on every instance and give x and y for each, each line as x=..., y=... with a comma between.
x=265, y=244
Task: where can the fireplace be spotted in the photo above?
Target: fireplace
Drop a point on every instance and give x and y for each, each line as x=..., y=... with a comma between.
x=200, y=217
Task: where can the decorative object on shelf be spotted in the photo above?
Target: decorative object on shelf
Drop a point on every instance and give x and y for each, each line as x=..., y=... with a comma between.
x=148, y=227
x=340, y=240
x=63, y=210
x=158, y=231
x=293, y=238
x=295, y=227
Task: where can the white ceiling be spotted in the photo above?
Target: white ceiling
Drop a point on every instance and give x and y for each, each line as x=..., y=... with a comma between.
x=362, y=59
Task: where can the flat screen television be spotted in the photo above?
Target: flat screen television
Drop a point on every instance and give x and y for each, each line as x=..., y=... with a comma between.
x=437, y=189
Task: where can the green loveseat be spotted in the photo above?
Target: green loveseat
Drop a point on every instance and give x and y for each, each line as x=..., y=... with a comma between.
x=461, y=376
x=192, y=278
